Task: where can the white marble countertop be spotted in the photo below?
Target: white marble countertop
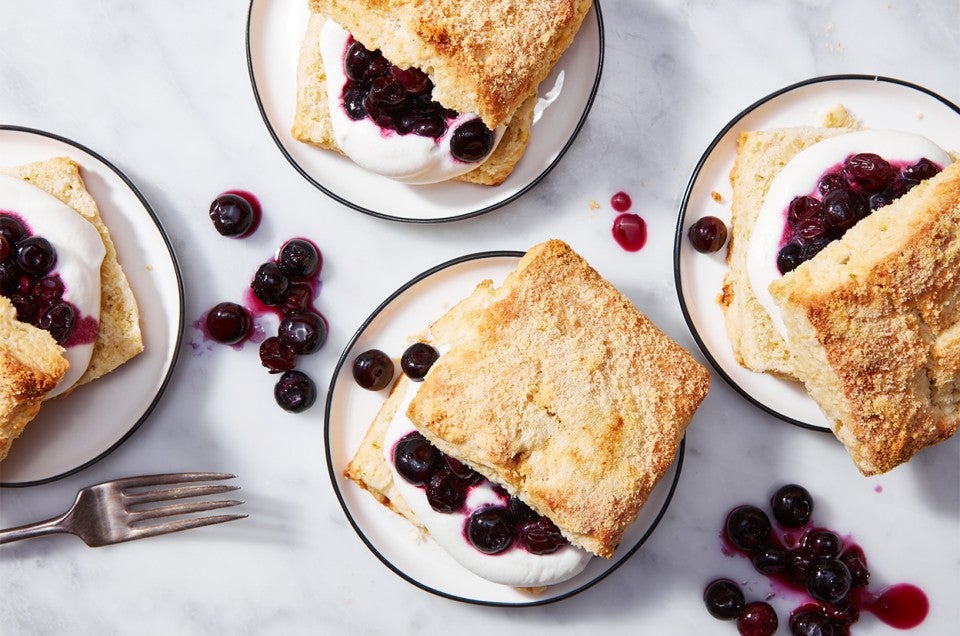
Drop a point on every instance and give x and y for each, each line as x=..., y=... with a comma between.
x=161, y=89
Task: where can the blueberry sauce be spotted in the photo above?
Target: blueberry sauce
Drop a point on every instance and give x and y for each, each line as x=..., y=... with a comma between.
x=827, y=571
x=447, y=484
x=399, y=101
x=621, y=202
x=287, y=286
x=29, y=281
x=630, y=231
x=845, y=194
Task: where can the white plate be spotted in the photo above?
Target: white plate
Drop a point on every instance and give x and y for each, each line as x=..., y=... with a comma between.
x=274, y=31
x=72, y=433
x=879, y=103
x=350, y=409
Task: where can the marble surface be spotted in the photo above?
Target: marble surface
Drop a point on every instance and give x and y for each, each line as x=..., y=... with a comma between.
x=161, y=89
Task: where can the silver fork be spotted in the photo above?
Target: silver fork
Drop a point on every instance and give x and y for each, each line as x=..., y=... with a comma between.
x=104, y=514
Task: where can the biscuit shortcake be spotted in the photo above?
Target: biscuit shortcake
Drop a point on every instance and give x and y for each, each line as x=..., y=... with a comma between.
x=86, y=303
x=554, y=387
x=461, y=63
x=874, y=326
x=822, y=285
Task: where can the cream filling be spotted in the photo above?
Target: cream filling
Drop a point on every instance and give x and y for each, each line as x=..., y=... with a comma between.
x=514, y=566
x=80, y=253
x=800, y=177
x=406, y=158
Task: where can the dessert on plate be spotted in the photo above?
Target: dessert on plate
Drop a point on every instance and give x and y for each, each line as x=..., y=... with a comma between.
x=843, y=274
x=552, y=411
x=68, y=315
x=423, y=92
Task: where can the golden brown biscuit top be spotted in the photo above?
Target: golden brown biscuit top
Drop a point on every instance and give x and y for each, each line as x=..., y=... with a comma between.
x=566, y=395
x=484, y=56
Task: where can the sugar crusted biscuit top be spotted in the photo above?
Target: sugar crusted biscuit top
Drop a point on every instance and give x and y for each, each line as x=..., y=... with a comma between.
x=566, y=395
x=874, y=326
x=484, y=56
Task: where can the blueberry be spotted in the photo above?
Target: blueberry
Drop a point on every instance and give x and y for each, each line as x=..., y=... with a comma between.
x=295, y=391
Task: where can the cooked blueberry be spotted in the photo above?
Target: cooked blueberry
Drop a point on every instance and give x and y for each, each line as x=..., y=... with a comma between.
x=828, y=581
x=521, y=512
x=855, y=560
x=472, y=141
x=6, y=248
x=9, y=277
x=811, y=228
x=810, y=621
x=461, y=470
x=25, y=307
x=373, y=369
x=233, y=214
x=12, y=228
x=922, y=170
x=748, y=527
x=769, y=559
x=824, y=544
x=416, y=459
x=276, y=355
x=792, y=505
x=35, y=256
x=491, y=529
x=353, y=103
x=386, y=93
x=830, y=182
x=433, y=127
x=707, y=234
x=58, y=320
x=295, y=391
x=757, y=619
x=789, y=257
x=842, y=209
x=540, y=537
x=413, y=80
x=269, y=284
x=868, y=172
x=47, y=291
x=843, y=612
x=356, y=61
x=724, y=599
x=446, y=492
x=417, y=360
x=813, y=247
x=228, y=323
x=801, y=208
x=299, y=259
x=305, y=331
x=299, y=297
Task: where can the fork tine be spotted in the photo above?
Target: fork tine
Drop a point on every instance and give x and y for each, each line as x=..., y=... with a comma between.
x=169, y=478
x=181, y=509
x=177, y=526
x=177, y=493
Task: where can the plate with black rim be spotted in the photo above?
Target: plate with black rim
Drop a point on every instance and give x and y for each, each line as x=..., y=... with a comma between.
x=77, y=430
x=275, y=29
x=350, y=409
x=878, y=103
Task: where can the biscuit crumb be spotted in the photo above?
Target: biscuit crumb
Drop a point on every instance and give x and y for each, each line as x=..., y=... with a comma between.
x=716, y=196
x=593, y=205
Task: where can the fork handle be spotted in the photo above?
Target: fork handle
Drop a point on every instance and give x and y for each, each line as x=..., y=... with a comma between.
x=30, y=530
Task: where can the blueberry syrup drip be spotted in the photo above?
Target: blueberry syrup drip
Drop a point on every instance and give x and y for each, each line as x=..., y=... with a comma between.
x=845, y=194
x=398, y=100
x=630, y=231
x=621, y=201
x=828, y=571
x=447, y=484
x=36, y=291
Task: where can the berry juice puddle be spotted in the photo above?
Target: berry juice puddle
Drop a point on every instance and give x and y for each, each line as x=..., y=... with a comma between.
x=801, y=558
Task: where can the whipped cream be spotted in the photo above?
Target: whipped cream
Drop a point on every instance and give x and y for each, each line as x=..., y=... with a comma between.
x=514, y=566
x=80, y=253
x=799, y=177
x=408, y=158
